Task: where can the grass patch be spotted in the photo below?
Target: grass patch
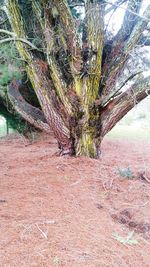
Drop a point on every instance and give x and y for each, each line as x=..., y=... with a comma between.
x=126, y=172
x=130, y=132
x=126, y=240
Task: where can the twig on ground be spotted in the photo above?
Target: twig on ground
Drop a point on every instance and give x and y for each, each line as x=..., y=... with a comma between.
x=143, y=176
x=42, y=232
x=27, y=228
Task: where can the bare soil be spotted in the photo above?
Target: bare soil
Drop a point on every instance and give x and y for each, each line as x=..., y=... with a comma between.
x=74, y=212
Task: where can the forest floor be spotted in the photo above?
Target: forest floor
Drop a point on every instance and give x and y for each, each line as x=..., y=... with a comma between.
x=74, y=212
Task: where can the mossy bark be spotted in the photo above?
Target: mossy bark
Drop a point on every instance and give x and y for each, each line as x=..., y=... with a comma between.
x=42, y=85
x=81, y=137
x=88, y=145
x=78, y=109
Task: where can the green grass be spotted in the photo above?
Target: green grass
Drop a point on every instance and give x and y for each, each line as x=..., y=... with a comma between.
x=3, y=127
x=135, y=125
x=129, y=240
x=130, y=132
x=125, y=172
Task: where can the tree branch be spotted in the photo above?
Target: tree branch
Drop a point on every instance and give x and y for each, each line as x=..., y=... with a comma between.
x=3, y=22
x=13, y=13
x=129, y=21
x=130, y=11
x=117, y=4
x=38, y=76
x=120, y=106
x=55, y=71
x=31, y=114
x=120, y=54
x=7, y=32
x=95, y=37
x=15, y=39
x=70, y=34
x=76, y=3
x=114, y=93
x=137, y=31
x=144, y=40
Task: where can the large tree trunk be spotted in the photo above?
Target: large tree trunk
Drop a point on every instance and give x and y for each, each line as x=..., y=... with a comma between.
x=75, y=125
x=78, y=100
x=37, y=71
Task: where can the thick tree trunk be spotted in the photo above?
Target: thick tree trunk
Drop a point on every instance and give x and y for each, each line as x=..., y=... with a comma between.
x=38, y=73
x=87, y=145
x=80, y=109
x=81, y=137
x=87, y=134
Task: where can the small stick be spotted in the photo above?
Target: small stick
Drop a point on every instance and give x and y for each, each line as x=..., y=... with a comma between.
x=43, y=233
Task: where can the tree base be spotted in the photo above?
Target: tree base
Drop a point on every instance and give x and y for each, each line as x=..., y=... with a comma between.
x=88, y=146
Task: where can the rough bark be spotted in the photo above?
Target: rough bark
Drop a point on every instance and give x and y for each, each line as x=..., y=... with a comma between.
x=31, y=114
x=119, y=55
x=38, y=74
x=80, y=107
x=88, y=87
x=122, y=104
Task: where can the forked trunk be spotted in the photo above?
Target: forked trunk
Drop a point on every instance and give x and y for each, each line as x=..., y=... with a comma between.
x=75, y=81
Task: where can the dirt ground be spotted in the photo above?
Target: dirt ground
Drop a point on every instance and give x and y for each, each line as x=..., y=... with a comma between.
x=74, y=212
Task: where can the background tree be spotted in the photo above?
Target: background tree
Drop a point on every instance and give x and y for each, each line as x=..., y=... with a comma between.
x=80, y=72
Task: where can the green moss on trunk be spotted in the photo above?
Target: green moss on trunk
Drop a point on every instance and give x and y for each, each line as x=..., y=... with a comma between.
x=88, y=145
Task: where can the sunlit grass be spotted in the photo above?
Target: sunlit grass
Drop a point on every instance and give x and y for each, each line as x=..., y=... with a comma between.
x=3, y=127
x=135, y=125
x=133, y=132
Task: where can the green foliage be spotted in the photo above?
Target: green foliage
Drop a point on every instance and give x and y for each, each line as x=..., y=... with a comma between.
x=6, y=74
x=74, y=10
x=15, y=121
x=8, y=53
x=126, y=172
x=31, y=24
x=10, y=64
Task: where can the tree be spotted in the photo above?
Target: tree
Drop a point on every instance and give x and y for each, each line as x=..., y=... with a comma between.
x=78, y=69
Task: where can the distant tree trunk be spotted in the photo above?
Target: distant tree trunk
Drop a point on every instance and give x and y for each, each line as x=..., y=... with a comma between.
x=79, y=101
x=7, y=127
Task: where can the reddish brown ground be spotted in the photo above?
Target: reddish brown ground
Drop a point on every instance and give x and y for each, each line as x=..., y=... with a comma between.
x=65, y=211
